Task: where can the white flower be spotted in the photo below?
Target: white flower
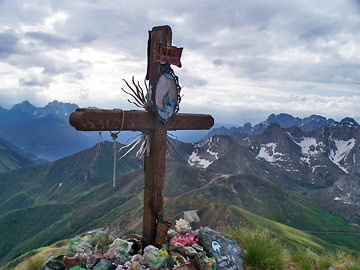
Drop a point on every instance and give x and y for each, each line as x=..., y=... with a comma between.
x=182, y=226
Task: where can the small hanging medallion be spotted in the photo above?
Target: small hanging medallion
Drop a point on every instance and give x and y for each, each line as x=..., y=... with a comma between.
x=166, y=97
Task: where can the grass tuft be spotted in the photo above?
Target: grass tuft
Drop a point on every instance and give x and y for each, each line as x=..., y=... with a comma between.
x=305, y=259
x=35, y=262
x=262, y=252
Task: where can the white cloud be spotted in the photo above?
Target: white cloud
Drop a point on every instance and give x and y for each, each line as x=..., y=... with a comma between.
x=242, y=60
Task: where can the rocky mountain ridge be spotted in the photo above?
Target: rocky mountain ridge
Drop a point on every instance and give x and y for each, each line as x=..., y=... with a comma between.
x=325, y=161
x=45, y=131
x=75, y=194
x=283, y=119
x=54, y=108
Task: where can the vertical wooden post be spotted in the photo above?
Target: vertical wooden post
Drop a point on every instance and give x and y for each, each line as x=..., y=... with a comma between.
x=155, y=163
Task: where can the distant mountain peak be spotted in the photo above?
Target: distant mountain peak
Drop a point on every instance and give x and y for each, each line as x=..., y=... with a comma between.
x=24, y=103
x=27, y=103
x=59, y=103
x=274, y=126
x=349, y=121
x=57, y=108
x=279, y=117
x=283, y=119
x=295, y=131
x=25, y=107
x=53, y=108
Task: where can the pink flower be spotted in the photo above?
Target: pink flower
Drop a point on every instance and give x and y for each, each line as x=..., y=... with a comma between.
x=187, y=240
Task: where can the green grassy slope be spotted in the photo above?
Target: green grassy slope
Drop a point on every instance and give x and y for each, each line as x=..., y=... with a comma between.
x=62, y=180
x=11, y=157
x=37, y=256
x=292, y=239
x=87, y=200
x=18, y=226
x=258, y=196
x=350, y=241
x=286, y=234
x=96, y=207
x=79, y=185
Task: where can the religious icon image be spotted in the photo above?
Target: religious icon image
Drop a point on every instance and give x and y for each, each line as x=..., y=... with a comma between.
x=166, y=96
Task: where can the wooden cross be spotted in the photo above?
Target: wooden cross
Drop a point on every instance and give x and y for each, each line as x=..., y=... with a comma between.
x=154, y=165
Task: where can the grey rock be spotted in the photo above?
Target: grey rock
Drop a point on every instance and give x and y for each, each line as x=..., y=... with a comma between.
x=154, y=257
x=54, y=263
x=222, y=248
x=104, y=265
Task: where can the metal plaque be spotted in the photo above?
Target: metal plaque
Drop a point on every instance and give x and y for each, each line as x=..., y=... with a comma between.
x=167, y=54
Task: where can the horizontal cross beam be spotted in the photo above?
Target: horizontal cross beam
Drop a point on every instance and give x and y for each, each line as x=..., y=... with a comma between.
x=100, y=120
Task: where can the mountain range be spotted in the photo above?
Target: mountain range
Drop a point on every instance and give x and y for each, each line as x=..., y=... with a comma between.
x=283, y=119
x=304, y=175
x=45, y=131
x=324, y=162
x=42, y=204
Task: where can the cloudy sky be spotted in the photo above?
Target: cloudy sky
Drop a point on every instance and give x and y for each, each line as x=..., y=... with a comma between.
x=242, y=59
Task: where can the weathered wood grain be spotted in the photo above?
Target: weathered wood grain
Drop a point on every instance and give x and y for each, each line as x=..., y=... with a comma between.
x=100, y=120
x=154, y=165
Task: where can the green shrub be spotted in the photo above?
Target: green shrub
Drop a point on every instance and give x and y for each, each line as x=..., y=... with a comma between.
x=262, y=252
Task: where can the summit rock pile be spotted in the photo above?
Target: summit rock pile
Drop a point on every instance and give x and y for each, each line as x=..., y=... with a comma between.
x=184, y=249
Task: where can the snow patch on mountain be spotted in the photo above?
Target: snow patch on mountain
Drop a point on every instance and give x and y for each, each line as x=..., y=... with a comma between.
x=268, y=153
x=216, y=155
x=346, y=198
x=309, y=148
x=306, y=144
x=196, y=160
x=317, y=166
x=203, y=155
x=342, y=150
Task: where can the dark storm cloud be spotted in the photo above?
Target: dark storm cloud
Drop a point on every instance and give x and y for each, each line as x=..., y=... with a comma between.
x=47, y=39
x=34, y=82
x=8, y=44
x=218, y=62
x=56, y=68
x=249, y=35
x=294, y=43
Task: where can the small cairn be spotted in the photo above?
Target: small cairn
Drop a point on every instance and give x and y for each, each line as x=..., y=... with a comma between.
x=182, y=250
